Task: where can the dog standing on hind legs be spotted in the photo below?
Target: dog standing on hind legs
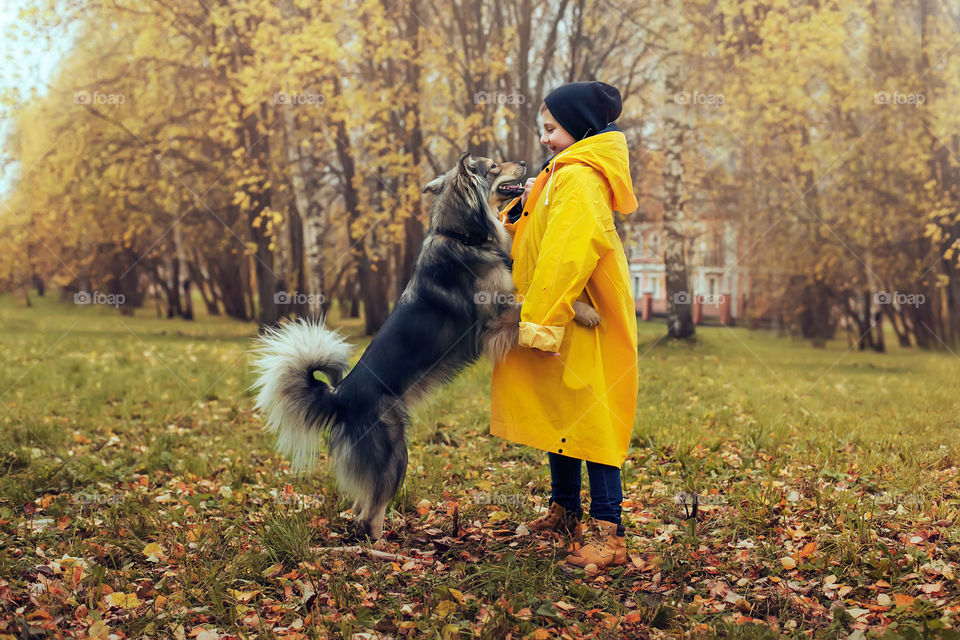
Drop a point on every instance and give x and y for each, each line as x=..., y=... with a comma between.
x=457, y=305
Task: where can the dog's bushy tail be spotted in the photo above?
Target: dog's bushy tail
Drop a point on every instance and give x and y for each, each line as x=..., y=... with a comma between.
x=290, y=363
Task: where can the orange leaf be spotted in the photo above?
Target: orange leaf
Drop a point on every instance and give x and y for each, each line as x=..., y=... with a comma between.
x=808, y=549
x=903, y=600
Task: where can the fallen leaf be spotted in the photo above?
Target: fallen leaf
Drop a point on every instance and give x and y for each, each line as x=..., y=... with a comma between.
x=445, y=608
x=98, y=631
x=903, y=600
x=153, y=551
x=124, y=600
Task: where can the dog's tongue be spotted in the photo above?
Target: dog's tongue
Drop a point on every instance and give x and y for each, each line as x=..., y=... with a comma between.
x=510, y=189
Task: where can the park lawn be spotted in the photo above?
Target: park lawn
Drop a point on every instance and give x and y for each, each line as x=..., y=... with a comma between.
x=139, y=497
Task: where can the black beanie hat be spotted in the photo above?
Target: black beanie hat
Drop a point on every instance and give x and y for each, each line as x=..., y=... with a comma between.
x=584, y=108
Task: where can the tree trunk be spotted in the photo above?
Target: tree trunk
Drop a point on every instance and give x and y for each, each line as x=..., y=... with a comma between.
x=295, y=267
x=371, y=279
x=413, y=230
x=268, y=311
x=679, y=297
x=182, y=275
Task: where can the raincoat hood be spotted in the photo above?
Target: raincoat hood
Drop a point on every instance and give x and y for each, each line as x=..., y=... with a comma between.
x=607, y=153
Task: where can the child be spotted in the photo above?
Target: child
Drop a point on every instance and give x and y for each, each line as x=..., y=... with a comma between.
x=568, y=389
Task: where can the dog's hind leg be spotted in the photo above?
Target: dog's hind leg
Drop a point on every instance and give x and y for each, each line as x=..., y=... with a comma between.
x=372, y=524
x=375, y=507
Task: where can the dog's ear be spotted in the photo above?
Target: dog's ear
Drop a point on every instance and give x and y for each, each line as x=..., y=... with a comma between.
x=435, y=186
x=464, y=162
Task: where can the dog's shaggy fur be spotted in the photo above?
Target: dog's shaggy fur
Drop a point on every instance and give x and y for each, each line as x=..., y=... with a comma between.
x=458, y=303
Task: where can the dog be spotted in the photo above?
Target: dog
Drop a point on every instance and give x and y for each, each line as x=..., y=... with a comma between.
x=459, y=303
x=504, y=188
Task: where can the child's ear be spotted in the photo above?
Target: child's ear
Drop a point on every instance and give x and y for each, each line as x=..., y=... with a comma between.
x=435, y=186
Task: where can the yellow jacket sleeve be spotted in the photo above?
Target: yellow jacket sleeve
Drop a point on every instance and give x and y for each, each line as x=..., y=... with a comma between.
x=578, y=217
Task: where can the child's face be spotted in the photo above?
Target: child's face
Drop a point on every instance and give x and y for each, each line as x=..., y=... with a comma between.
x=554, y=136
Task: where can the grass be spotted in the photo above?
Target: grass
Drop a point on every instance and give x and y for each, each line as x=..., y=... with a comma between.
x=120, y=433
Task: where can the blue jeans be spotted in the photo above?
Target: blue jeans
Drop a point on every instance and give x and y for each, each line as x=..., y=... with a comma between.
x=606, y=491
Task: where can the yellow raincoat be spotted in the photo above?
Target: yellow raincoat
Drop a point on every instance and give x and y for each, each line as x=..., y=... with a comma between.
x=582, y=403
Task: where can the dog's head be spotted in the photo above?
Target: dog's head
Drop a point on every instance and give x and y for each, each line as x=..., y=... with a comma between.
x=466, y=196
x=507, y=186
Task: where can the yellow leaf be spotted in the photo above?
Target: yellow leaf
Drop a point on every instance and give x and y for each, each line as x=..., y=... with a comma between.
x=445, y=608
x=241, y=596
x=450, y=632
x=97, y=631
x=153, y=551
x=124, y=600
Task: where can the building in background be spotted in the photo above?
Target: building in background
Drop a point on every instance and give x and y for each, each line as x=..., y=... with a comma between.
x=719, y=283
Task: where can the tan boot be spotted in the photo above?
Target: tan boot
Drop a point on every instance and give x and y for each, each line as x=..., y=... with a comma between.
x=558, y=519
x=601, y=547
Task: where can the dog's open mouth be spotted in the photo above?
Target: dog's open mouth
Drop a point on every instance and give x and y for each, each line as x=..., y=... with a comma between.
x=510, y=190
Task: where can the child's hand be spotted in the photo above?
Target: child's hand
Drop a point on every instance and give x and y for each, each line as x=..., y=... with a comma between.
x=526, y=191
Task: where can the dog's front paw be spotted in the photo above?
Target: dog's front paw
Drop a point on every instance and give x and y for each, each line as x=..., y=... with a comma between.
x=585, y=315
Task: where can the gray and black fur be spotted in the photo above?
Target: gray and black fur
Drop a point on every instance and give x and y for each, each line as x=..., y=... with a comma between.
x=457, y=305
x=461, y=283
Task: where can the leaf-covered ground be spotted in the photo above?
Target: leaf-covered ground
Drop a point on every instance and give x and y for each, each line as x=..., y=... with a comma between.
x=139, y=498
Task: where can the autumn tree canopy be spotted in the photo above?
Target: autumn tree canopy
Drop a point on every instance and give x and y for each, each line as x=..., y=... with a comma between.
x=270, y=156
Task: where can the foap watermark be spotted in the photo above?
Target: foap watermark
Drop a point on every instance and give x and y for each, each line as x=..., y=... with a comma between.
x=99, y=99
x=97, y=297
x=699, y=99
x=512, y=499
x=297, y=99
x=298, y=297
x=897, y=98
x=685, y=297
x=498, y=98
x=691, y=502
x=687, y=498
x=899, y=298
x=497, y=297
x=98, y=500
